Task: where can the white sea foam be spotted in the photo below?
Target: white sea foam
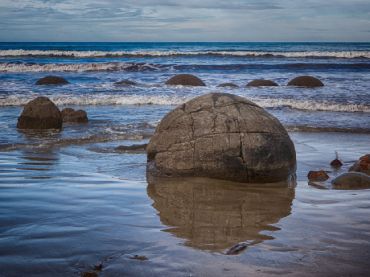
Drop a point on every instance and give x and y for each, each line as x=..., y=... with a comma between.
x=86, y=54
x=76, y=67
x=308, y=105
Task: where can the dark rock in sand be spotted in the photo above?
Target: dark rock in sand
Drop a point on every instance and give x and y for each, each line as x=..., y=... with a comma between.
x=40, y=113
x=362, y=165
x=89, y=274
x=73, y=116
x=185, y=80
x=319, y=176
x=134, y=148
x=262, y=83
x=138, y=257
x=306, y=81
x=125, y=83
x=221, y=136
x=217, y=215
x=227, y=85
x=336, y=163
x=52, y=80
x=352, y=180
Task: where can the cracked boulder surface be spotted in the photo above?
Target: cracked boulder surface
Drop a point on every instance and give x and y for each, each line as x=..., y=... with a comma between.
x=221, y=136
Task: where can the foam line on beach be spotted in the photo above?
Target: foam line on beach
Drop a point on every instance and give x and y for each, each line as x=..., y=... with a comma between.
x=238, y=53
x=113, y=99
x=76, y=67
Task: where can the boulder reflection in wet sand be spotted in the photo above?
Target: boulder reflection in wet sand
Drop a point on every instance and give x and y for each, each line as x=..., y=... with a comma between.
x=215, y=215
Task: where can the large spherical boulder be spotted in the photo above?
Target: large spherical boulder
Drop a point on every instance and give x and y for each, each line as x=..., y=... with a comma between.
x=52, y=80
x=262, y=83
x=73, y=116
x=185, y=80
x=222, y=136
x=306, y=81
x=40, y=113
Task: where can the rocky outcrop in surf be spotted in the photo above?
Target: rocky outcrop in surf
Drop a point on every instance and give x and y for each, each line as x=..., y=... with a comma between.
x=262, y=83
x=52, y=80
x=306, y=81
x=125, y=83
x=40, y=113
x=185, y=80
x=221, y=136
x=72, y=116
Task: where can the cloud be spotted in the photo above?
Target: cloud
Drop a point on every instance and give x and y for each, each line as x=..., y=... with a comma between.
x=175, y=20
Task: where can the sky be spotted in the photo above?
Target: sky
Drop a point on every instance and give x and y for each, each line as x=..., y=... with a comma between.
x=185, y=20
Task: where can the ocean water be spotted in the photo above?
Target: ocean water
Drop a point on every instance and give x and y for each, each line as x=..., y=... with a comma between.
x=70, y=199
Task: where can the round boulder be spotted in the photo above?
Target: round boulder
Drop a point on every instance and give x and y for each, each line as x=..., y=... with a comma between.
x=227, y=85
x=185, y=80
x=319, y=176
x=221, y=136
x=362, y=165
x=40, y=113
x=262, y=83
x=73, y=116
x=352, y=180
x=306, y=81
x=52, y=80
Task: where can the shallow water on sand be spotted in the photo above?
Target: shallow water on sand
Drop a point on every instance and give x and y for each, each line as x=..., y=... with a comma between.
x=66, y=208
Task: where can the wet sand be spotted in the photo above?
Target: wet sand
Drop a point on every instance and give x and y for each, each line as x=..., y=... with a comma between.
x=64, y=209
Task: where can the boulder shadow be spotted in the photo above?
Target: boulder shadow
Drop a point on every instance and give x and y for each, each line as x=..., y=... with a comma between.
x=216, y=215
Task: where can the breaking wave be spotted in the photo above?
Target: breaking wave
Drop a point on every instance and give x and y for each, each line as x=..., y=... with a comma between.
x=114, y=99
x=79, y=67
x=137, y=67
x=107, y=54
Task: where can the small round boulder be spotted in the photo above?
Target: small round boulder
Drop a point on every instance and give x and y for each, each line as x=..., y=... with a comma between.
x=362, y=165
x=262, y=83
x=52, y=80
x=227, y=85
x=221, y=136
x=352, y=180
x=306, y=81
x=185, y=80
x=40, y=113
x=73, y=116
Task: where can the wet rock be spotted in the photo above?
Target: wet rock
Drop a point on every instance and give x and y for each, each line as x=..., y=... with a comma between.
x=73, y=116
x=362, y=165
x=125, y=83
x=336, y=163
x=262, y=83
x=227, y=85
x=185, y=80
x=221, y=136
x=306, y=81
x=52, y=80
x=237, y=248
x=89, y=274
x=98, y=267
x=40, y=113
x=138, y=257
x=129, y=148
x=352, y=180
x=317, y=176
